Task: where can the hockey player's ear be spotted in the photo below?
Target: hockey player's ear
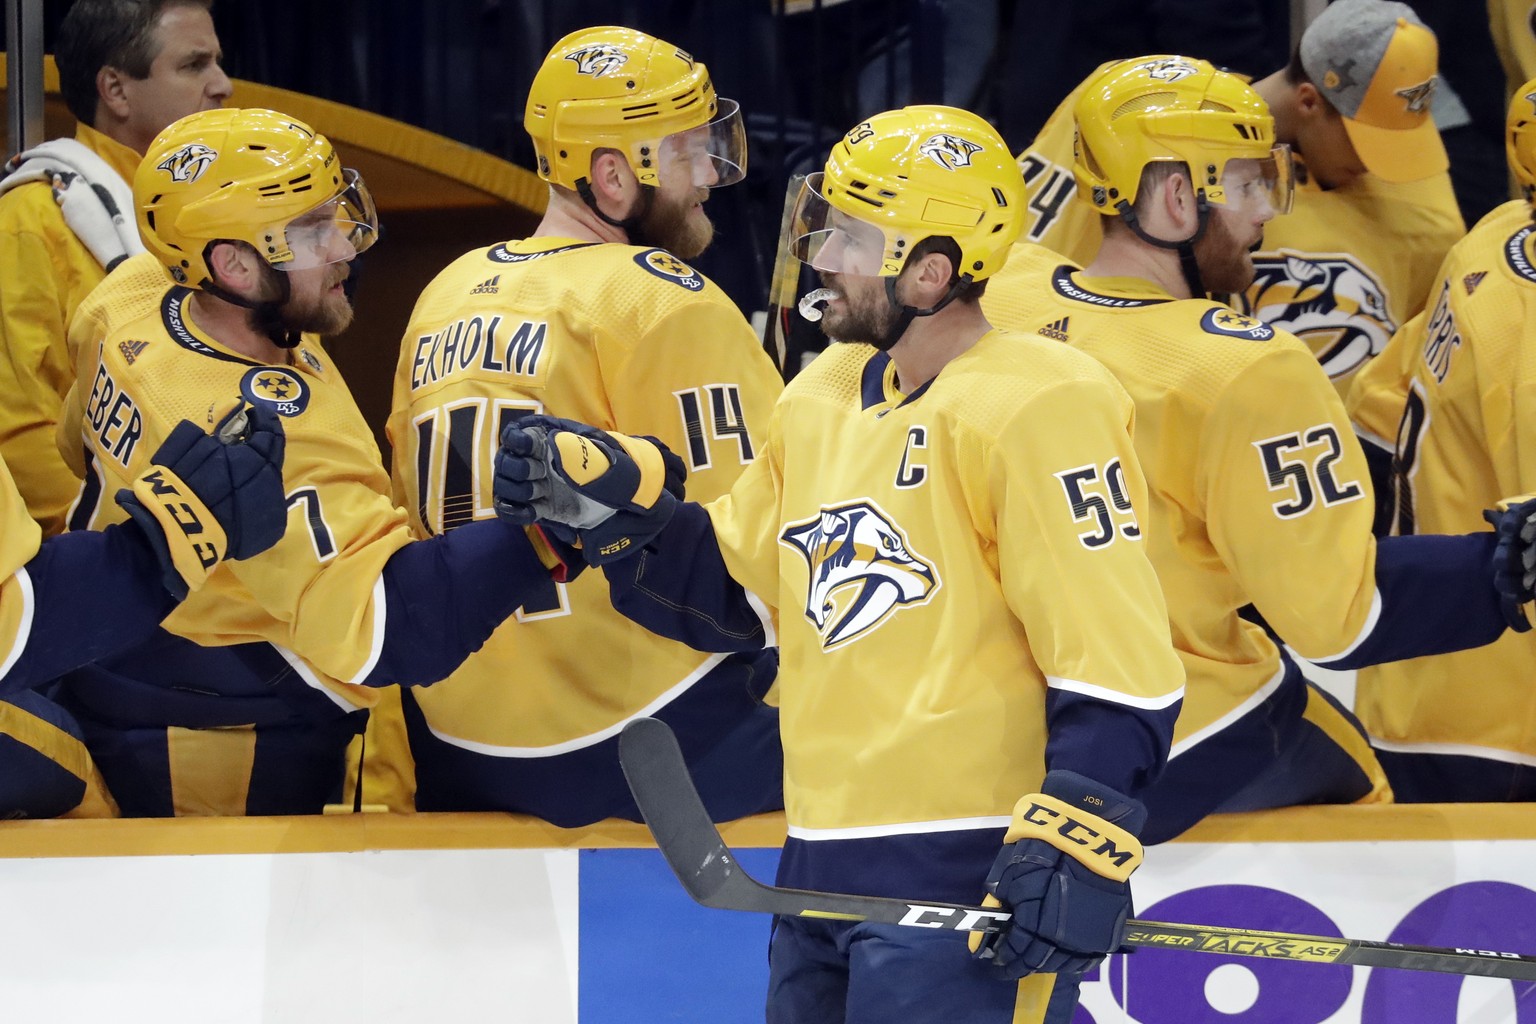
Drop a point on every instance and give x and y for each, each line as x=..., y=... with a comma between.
x=613, y=182
x=236, y=267
x=929, y=277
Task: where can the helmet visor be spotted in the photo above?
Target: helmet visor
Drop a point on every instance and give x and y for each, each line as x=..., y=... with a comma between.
x=829, y=240
x=710, y=155
x=336, y=230
x=1271, y=181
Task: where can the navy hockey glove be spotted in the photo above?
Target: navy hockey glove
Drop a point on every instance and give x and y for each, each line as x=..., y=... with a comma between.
x=1063, y=873
x=1514, y=559
x=610, y=492
x=208, y=497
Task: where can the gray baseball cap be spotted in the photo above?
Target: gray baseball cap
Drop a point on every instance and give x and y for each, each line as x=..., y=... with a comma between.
x=1378, y=64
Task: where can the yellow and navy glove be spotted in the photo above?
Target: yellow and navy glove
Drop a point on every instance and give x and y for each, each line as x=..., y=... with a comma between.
x=611, y=493
x=1063, y=872
x=1514, y=559
x=208, y=497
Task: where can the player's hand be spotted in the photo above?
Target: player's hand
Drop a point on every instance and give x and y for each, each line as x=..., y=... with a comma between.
x=1063, y=873
x=611, y=492
x=1514, y=559
x=208, y=497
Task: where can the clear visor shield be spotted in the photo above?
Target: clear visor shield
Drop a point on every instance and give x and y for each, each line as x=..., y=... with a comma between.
x=1247, y=185
x=710, y=155
x=830, y=240
x=334, y=232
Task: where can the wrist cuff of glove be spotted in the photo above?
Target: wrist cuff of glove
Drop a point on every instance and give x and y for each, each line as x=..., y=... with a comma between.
x=193, y=541
x=1102, y=846
x=653, y=469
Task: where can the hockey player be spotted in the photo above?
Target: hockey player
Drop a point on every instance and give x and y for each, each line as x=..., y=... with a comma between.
x=1260, y=493
x=943, y=534
x=127, y=68
x=250, y=221
x=1468, y=425
x=66, y=601
x=597, y=317
x=1374, y=210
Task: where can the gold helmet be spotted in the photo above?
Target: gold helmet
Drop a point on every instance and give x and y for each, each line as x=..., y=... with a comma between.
x=616, y=88
x=906, y=175
x=253, y=176
x=1170, y=108
x=1520, y=138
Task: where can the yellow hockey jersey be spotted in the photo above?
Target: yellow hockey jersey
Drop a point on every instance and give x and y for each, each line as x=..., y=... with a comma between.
x=317, y=594
x=939, y=567
x=622, y=337
x=1467, y=438
x=1259, y=493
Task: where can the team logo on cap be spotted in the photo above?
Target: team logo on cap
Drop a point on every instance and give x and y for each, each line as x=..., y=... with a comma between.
x=1170, y=70
x=1417, y=97
x=598, y=60
x=862, y=571
x=188, y=163
x=950, y=152
x=278, y=389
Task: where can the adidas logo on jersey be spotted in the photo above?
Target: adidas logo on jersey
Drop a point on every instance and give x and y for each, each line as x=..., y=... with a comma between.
x=1471, y=281
x=490, y=286
x=131, y=350
x=1057, y=331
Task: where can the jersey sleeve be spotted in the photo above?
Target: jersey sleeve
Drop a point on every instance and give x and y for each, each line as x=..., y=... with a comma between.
x=710, y=579
x=1066, y=490
x=1289, y=508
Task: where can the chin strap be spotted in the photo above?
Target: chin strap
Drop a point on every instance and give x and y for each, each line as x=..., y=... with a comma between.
x=266, y=315
x=1185, y=248
x=630, y=224
x=905, y=313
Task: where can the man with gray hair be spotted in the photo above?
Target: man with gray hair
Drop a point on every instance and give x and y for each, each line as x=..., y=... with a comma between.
x=127, y=68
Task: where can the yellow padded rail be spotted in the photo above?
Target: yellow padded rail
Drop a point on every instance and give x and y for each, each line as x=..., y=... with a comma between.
x=357, y=832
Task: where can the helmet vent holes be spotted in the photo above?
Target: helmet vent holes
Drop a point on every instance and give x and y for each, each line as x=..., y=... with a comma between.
x=256, y=147
x=1001, y=199
x=1137, y=104
x=886, y=193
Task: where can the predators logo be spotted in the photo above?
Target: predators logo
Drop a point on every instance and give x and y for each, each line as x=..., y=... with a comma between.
x=862, y=571
x=949, y=151
x=598, y=60
x=1329, y=301
x=1169, y=69
x=188, y=163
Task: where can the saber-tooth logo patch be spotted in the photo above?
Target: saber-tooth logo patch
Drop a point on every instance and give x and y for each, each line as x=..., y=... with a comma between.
x=950, y=152
x=188, y=163
x=862, y=570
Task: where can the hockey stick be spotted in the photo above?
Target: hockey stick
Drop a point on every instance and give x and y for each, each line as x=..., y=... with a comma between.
x=692, y=846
